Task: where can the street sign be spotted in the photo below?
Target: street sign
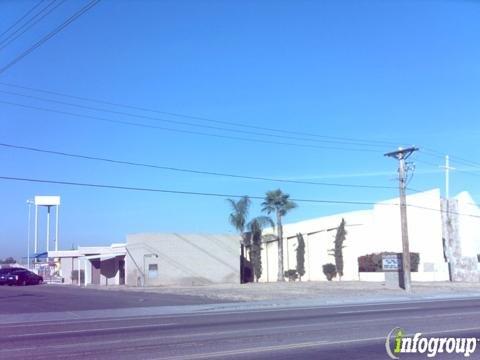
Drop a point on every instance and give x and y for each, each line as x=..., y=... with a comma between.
x=391, y=263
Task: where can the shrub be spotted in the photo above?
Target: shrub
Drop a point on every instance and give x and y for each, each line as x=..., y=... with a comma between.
x=330, y=271
x=300, y=256
x=291, y=275
x=373, y=262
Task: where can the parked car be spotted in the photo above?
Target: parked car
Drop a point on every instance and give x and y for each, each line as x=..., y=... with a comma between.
x=4, y=275
x=23, y=277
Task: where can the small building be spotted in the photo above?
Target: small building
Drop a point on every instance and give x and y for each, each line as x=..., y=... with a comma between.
x=96, y=265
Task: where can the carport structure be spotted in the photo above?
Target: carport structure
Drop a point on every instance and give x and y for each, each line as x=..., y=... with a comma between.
x=99, y=265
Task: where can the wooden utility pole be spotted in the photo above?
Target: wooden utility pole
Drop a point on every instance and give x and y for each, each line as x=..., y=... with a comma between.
x=401, y=155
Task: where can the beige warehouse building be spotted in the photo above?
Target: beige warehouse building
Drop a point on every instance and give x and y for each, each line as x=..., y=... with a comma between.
x=182, y=259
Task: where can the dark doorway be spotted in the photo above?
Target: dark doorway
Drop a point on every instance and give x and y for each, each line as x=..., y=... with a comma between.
x=246, y=271
x=121, y=270
x=96, y=269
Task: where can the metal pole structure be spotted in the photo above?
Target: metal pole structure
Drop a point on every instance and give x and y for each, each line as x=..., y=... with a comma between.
x=401, y=155
x=447, y=177
x=447, y=169
x=48, y=229
x=56, y=227
x=29, y=203
x=35, y=246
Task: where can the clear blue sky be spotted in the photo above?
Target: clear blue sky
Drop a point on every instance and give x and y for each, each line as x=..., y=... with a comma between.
x=405, y=72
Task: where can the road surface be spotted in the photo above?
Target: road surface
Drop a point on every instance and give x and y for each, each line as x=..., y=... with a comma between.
x=333, y=332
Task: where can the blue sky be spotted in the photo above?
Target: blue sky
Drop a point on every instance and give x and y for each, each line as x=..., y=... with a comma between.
x=401, y=72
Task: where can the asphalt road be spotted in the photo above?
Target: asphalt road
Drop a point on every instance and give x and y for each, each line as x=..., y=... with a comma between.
x=334, y=332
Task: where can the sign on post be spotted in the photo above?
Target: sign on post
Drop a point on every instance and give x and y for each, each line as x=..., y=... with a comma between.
x=391, y=263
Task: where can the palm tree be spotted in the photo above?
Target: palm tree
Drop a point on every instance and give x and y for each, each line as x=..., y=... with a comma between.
x=238, y=216
x=238, y=219
x=255, y=228
x=277, y=202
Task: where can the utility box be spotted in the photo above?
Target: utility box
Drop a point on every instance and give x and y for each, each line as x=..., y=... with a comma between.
x=392, y=267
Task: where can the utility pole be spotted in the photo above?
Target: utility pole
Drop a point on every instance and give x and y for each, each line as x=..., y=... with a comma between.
x=401, y=155
x=447, y=169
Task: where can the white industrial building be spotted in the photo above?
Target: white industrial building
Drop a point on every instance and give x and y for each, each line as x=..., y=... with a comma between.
x=445, y=234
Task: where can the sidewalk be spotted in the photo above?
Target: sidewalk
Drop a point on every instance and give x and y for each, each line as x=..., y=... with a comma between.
x=321, y=292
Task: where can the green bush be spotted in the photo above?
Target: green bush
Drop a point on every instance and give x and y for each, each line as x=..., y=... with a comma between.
x=373, y=262
x=330, y=271
x=291, y=274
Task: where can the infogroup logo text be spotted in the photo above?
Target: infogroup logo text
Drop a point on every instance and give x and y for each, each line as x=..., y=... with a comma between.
x=398, y=343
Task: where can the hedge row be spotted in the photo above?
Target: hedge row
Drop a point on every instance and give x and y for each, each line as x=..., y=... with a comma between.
x=373, y=262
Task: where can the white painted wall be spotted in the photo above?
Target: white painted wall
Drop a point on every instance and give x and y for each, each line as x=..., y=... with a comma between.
x=468, y=225
x=369, y=231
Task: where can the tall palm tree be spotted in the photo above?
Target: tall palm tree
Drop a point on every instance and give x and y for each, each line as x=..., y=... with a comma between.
x=279, y=203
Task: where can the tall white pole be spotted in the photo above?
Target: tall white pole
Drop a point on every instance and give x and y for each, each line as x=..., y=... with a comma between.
x=56, y=227
x=35, y=246
x=48, y=228
x=447, y=169
x=29, y=203
x=447, y=177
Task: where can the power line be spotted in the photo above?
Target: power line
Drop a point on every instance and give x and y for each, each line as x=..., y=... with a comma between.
x=203, y=126
x=220, y=195
x=21, y=18
x=467, y=172
x=117, y=187
x=192, y=132
x=139, y=108
x=28, y=25
x=169, y=168
x=51, y=34
x=458, y=159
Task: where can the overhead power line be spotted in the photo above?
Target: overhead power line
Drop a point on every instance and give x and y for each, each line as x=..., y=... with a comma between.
x=51, y=34
x=192, y=132
x=29, y=24
x=209, y=194
x=205, y=119
x=21, y=18
x=169, y=168
x=179, y=122
x=117, y=187
x=437, y=154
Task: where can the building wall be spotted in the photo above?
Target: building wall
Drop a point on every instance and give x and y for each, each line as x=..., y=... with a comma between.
x=424, y=232
x=369, y=231
x=182, y=259
x=461, y=229
x=66, y=267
